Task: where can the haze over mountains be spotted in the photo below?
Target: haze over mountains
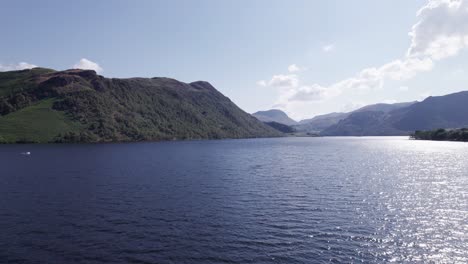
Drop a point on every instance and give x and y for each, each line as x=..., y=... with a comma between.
x=449, y=111
x=44, y=105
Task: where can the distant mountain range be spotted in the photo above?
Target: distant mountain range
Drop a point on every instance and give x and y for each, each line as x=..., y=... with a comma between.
x=44, y=105
x=449, y=111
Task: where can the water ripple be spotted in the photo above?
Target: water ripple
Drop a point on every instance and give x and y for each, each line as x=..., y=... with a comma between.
x=293, y=200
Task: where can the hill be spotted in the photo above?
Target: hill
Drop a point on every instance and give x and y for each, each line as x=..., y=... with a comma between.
x=274, y=115
x=365, y=123
x=43, y=105
x=355, y=125
x=447, y=111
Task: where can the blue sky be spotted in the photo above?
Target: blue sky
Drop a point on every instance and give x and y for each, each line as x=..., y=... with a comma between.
x=345, y=54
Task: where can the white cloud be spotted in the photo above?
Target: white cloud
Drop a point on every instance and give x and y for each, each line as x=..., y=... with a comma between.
x=86, y=64
x=312, y=93
x=374, y=78
x=16, y=67
x=442, y=29
x=367, y=79
x=281, y=81
x=292, y=92
x=328, y=47
x=308, y=93
x=294, y=68
x=289, y=80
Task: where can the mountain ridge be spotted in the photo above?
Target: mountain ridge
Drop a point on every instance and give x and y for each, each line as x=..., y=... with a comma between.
x=447, y=111
x=384, y=119
x=91, y=108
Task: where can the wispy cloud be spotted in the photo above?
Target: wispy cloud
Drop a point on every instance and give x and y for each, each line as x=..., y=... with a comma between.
x=16, y=67
x=328, y=47
x=283, y=80
x=293, y=90
x=295, y=68
x=86, y=64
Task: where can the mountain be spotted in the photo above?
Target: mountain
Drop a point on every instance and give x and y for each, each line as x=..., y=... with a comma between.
x=320, y=122
x=365, y=123
x=43, y=105
x=274, y=115
x=447, y=111
x=383, y=107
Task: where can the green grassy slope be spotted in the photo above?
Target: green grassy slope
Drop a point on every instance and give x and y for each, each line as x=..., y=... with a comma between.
x=36, y=123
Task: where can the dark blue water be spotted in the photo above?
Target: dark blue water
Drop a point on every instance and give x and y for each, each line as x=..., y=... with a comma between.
x=289, y=200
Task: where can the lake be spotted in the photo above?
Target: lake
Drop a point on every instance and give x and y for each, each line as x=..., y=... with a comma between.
x=284, y=200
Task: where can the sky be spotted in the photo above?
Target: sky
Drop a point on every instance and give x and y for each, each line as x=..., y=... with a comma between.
x=303, y=57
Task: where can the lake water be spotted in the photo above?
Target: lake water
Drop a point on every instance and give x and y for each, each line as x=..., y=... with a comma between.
x=286, y=200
